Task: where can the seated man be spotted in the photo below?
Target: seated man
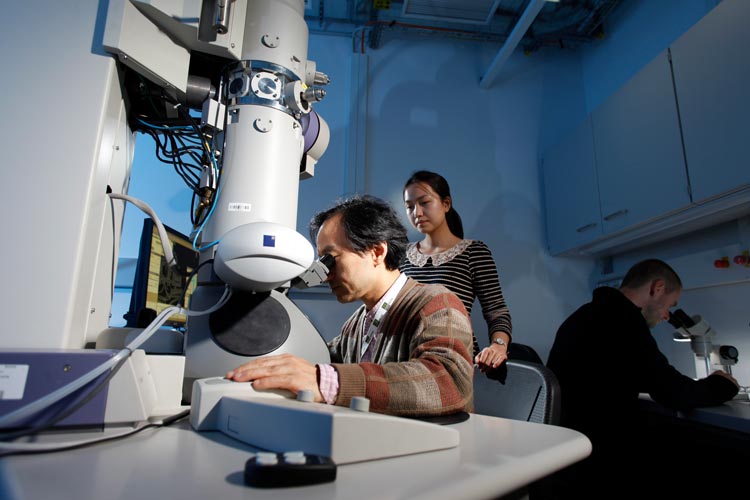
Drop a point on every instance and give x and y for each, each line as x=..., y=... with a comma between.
x=604, y=356
x=407, y=348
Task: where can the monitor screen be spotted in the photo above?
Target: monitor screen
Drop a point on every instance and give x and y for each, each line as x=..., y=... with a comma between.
x=157, y=285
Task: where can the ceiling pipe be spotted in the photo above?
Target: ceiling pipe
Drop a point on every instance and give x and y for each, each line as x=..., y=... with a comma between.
x=519, y=30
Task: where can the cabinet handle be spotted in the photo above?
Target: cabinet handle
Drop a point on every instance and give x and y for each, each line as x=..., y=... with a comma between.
x=615, y=214
x=586, y=227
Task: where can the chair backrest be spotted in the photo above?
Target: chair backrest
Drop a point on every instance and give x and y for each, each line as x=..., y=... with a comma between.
x=523, y=352
x=528, y=391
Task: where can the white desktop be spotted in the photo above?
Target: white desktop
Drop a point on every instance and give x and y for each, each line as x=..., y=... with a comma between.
x=495, y=457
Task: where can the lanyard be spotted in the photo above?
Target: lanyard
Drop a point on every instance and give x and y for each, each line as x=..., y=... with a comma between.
x=381, y=311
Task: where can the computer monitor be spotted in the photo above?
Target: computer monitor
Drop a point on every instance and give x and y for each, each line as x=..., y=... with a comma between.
x=157, y=285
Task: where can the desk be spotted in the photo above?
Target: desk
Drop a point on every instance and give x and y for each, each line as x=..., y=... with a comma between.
x=496, y=456
x=709, y=441
x=731, y=415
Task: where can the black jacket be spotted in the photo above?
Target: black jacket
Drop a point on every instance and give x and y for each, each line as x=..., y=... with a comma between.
x=604, y=355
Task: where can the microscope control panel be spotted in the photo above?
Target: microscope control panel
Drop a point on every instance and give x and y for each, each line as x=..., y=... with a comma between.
x=277, y=422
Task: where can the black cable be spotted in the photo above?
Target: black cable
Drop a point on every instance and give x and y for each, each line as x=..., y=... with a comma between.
x=181, y=301
x=164, y=423
x=186, y=150
x=192, y=208
x=189, y=137
x=170, y=148
x=186, y=115
x=182, y=168
x=144, y=85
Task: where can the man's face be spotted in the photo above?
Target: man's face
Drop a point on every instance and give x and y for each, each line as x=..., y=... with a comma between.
x=656, y=308
x=353, y=274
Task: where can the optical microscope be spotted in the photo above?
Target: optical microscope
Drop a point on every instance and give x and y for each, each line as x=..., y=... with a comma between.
x=699, y=333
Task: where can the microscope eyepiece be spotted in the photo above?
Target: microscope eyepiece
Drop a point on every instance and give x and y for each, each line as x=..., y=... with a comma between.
x=328, y=261
x=680, y=319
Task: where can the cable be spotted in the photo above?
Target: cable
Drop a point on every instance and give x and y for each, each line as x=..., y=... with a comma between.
x=203, y=224
x=181, y=301
x=36, y=448
x=222, y=301
x=183, y=147
x=40, y=404
x=113, y=263
x=66, y=412
x=165, y=127
x=157, y=323
x=145, y=207
x=32, y=408
x=207, y=149
x=180, y=109
x=167, y=137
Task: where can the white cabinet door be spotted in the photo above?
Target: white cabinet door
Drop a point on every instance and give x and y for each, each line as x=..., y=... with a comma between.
x=638, y=148
x=570, y=191
x=712, y=81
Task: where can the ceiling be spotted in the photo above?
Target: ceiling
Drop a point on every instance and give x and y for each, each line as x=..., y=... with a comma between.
x=533, y=23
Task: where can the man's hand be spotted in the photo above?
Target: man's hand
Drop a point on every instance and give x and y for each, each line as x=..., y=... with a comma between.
x=726, y=376
x=284, y=371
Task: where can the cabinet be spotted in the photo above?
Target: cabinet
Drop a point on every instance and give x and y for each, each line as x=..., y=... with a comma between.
x=571, y=191
x=668, y=147
x=711, y=78
x=638, y=149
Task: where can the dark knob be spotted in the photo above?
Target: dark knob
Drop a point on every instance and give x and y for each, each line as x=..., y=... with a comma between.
x=729, y=352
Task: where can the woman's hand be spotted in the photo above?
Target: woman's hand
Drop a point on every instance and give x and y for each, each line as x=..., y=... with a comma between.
x=491, y=357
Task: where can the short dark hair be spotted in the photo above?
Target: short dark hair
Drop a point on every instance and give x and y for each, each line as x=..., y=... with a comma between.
x=648, y=270
x=438, y=184
x=367, y=221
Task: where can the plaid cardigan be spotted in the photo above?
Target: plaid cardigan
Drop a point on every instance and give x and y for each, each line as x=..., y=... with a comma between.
x=421, y=365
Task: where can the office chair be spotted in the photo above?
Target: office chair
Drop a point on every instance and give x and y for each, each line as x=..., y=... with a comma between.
x=523, y=352
x=521, y=391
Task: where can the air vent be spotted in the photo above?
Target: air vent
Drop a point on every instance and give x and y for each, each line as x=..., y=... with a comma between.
x=457, y=11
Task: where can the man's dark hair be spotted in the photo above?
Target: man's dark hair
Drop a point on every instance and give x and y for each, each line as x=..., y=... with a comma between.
x=367, y=221
x=438, y=184
x=648, y=270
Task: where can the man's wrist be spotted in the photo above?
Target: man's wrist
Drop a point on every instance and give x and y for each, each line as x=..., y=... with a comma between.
x=328, y=382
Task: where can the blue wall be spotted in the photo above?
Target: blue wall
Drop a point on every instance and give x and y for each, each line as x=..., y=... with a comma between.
x=426, y=110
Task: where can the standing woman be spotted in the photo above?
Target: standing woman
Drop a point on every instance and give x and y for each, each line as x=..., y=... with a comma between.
x=465, y=267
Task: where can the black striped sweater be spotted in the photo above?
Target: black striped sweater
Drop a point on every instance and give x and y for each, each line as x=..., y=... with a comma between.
x=468, y=270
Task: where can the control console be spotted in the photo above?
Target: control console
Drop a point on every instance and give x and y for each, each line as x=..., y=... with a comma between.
x=276, y=421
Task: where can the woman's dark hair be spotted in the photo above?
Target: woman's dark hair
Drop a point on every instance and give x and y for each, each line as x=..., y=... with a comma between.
x=438, y=184
x=368, y=221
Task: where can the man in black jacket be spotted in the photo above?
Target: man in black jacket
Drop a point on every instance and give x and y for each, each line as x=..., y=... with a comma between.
x=604, y=356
